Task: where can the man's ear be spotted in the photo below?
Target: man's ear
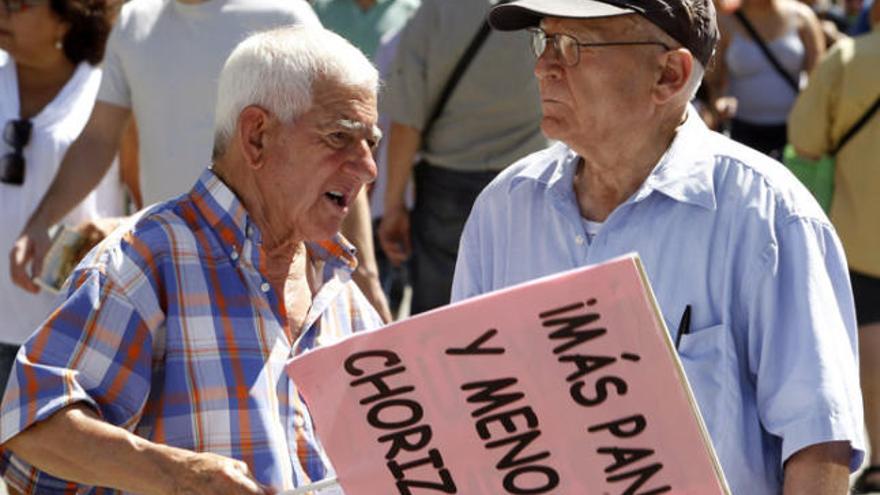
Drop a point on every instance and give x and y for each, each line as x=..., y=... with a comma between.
x=253, y=125
x=675, y=72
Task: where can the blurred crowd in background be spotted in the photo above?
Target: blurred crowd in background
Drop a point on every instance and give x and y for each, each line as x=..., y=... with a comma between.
x=458, y=105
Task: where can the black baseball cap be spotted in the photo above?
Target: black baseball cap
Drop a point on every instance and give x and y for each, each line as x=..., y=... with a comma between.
x=690, y=22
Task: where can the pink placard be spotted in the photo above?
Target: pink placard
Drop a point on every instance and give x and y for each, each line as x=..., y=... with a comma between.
x=565, y=385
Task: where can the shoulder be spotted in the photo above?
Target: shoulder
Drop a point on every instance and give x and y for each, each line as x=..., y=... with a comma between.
x=866, y=46
x=524, y=177
x=801, y=11
x=759, y=186
x=137, y=15
x=146, y=241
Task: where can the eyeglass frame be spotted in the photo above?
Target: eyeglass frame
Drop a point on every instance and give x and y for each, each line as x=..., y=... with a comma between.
x=16, y=6
x=12, y=164
x=538, y=33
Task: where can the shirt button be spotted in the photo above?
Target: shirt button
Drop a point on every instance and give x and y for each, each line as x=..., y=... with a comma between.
x=579, y=240
x=265, y=287
x=234, y=255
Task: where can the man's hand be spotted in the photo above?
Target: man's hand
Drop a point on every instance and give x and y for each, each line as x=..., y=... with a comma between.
x=394, y=231
x=210, y=474
x=109, y=456
x=394, y=235
x=93, y=232
x=26, y=256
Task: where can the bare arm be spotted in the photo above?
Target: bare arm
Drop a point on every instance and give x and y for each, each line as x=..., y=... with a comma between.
x=394, y=233
x=84, y=164
x=821, y=469
x=810, y=32
x=108, y=456
x=358, y=229
x=129, y=164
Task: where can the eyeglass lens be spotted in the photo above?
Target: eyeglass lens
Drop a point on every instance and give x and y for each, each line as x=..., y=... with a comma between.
x=17, y=134
x=566, y=48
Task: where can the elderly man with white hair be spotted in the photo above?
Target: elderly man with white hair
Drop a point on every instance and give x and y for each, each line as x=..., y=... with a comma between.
x=163, y=369
x=747, y=270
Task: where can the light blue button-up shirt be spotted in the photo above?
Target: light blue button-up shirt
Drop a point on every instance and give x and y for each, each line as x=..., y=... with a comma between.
x=771, y=355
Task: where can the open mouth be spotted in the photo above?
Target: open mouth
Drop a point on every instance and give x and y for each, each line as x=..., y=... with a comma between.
x=337, y=197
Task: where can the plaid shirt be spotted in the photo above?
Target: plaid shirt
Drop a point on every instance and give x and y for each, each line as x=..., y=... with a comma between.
x=170, y=330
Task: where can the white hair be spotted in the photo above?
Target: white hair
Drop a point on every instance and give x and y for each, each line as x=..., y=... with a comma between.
x=276, y=69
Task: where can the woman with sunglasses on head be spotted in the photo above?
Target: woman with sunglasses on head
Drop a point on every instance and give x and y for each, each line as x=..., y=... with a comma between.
x=49, y=51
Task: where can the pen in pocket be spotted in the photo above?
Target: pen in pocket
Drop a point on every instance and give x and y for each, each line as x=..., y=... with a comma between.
x=684, y=326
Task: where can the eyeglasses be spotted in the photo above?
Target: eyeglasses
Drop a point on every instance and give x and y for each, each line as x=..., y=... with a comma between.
x=15, y=6
x=567, y=48
x=17, y=134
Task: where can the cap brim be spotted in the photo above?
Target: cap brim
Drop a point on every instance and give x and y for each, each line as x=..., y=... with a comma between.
x=528, y=13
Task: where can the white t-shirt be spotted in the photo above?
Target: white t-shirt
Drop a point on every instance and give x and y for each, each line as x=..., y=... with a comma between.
x=54, y=129
x=163, y=61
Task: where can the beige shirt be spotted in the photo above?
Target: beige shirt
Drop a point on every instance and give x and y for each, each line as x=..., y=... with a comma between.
x=842, y=88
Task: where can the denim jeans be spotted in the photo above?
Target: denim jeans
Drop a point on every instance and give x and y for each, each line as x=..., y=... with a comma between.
x=444, y=199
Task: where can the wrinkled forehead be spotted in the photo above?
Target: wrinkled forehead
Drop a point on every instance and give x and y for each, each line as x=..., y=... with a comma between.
x=344, y=102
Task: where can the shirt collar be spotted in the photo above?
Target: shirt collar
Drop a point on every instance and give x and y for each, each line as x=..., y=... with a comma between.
x=227, y=216
x=684, y=173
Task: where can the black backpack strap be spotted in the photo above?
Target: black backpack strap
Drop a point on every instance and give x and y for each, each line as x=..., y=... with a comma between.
x=857, y=126
x=767, y=53
x=457, y=72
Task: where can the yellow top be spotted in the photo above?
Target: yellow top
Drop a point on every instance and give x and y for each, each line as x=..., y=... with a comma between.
x=841, y=89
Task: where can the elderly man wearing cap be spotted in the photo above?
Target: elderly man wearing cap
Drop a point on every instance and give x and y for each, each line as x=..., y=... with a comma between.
x=744, y=263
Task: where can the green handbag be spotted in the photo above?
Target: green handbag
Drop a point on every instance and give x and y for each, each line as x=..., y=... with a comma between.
x=817, y=175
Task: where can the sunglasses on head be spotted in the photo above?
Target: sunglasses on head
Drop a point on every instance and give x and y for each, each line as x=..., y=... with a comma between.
x=17, y=134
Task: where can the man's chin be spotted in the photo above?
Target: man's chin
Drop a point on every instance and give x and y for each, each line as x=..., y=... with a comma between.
x=553, y=128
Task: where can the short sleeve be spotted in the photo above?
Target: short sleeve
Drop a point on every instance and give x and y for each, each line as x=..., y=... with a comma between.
x=406, y=97
x=114, y=87
x=802, y=341
x=95, y=349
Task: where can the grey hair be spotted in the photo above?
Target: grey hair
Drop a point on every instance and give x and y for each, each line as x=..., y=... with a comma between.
x=276, y=69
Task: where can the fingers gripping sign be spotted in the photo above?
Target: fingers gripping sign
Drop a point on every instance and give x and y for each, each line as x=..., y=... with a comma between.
x=210, y=474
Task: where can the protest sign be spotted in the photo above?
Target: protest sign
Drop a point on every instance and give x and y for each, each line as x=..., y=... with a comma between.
x=565, y=385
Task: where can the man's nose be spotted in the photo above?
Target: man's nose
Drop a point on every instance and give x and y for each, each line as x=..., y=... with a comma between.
x=363, y=164
x=547, y=64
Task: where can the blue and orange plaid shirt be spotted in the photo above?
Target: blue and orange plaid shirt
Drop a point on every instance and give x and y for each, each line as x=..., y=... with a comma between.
x=170, y=330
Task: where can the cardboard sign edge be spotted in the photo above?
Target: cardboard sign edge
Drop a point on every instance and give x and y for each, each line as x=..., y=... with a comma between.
x=679, y=368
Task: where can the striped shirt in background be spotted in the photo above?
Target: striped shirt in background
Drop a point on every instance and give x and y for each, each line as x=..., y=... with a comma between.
x=170, y=330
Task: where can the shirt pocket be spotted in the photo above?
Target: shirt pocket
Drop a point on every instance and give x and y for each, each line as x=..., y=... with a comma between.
x=709, y=362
